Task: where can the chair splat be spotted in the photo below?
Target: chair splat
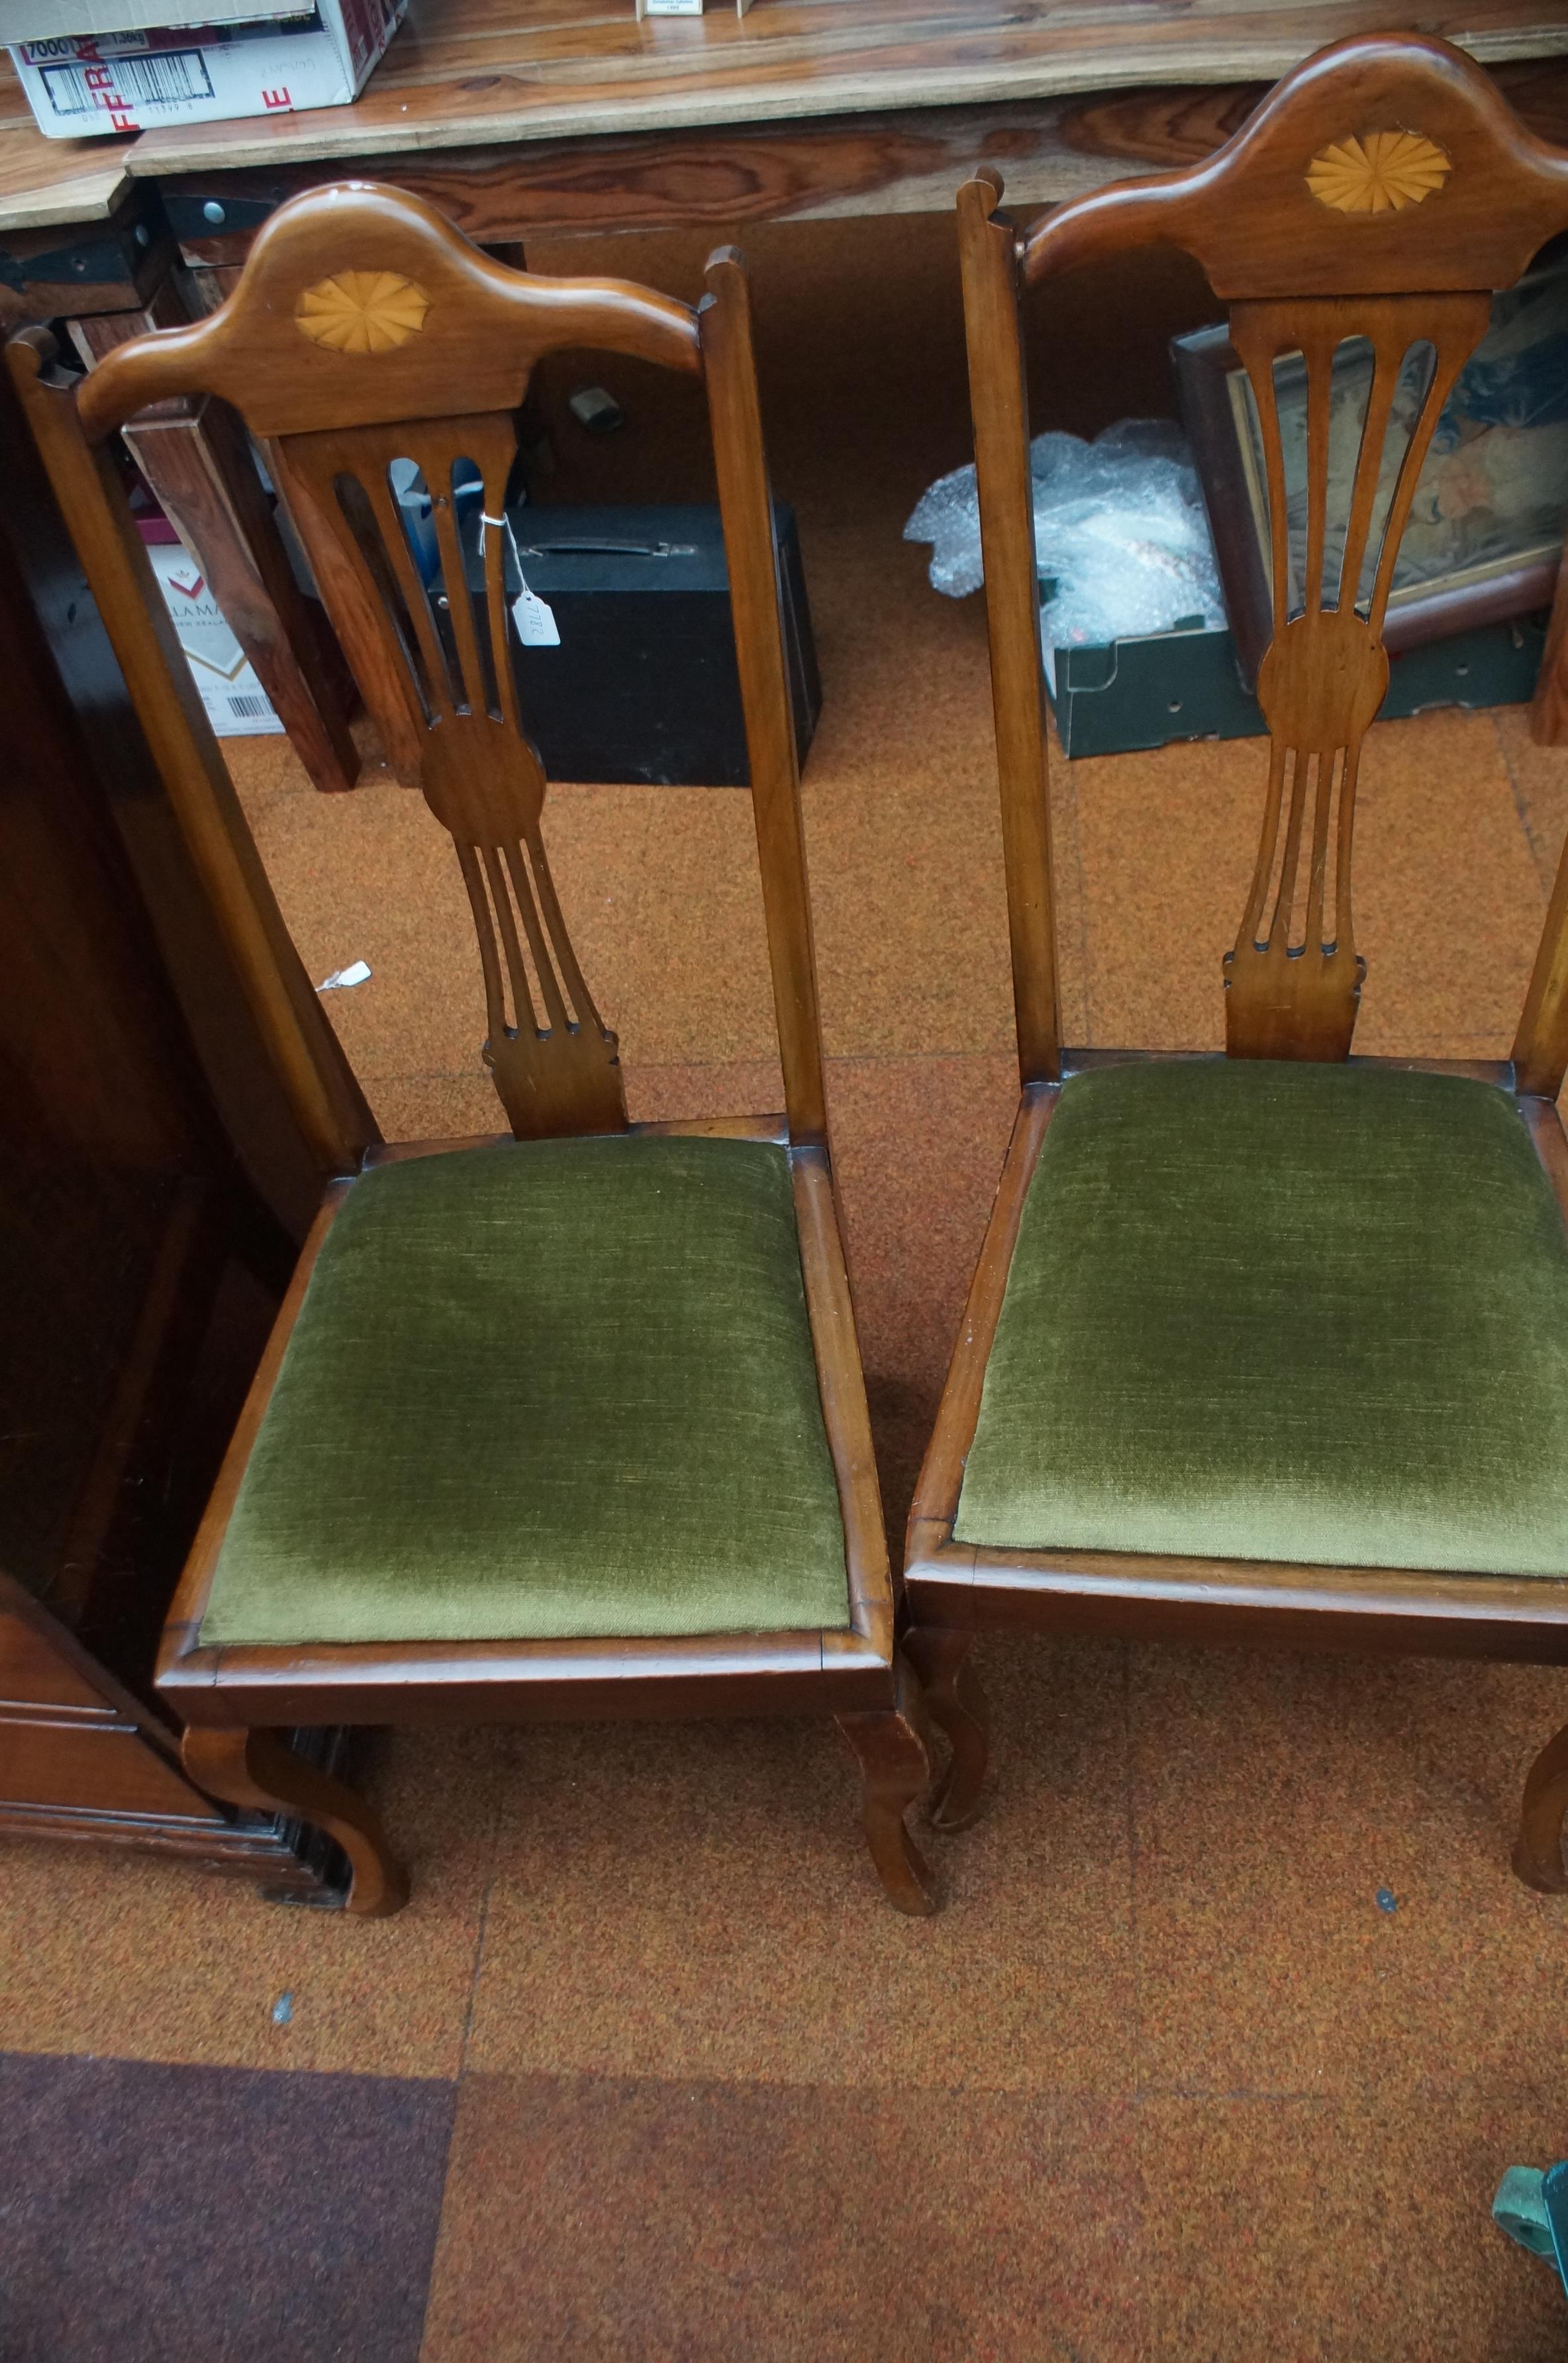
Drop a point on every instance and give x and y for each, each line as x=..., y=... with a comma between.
x=447, y=663
x=1293, y=979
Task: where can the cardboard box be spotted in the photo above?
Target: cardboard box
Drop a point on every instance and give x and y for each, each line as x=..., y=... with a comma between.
x=1187, y=683
x=236, y=705
x=90, y=67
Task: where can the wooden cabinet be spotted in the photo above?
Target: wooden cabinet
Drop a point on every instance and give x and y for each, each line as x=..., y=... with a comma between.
x=148, y=1220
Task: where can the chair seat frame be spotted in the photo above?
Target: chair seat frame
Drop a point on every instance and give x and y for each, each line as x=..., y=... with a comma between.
x=365, y=326
x=1385, y=164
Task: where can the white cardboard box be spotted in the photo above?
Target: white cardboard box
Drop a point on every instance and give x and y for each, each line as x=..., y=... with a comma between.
x=96, y=66
x=236, y=705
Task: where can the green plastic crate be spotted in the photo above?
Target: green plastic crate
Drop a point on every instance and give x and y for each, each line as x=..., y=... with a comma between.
x=1185, y=684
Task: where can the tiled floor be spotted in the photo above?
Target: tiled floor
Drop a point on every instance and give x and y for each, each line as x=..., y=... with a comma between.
x=1235, y=2014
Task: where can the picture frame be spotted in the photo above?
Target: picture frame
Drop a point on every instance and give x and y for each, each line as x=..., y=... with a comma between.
x=1485, y=534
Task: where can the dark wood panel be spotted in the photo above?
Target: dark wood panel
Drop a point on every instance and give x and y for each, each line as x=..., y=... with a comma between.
x=725, y=176
x=122, y=1209
x=514, y=70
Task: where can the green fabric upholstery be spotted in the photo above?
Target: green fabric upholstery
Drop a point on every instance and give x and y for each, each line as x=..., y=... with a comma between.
x=547, y=1390
x=1269, y=1311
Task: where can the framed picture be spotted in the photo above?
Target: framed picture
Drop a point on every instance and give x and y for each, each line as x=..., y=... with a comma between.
x=1485, y=532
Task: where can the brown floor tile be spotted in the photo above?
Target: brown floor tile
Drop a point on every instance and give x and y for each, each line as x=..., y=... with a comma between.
x=117, y=1953
x=1449, y=903
x=1347, y=2231
x=903, y=829
x=263, y=768
x=696, y=1901
x=659, y=889
x=1539, y=776
x=1447, y=897
x=1167, y=842
x=1276, y=1798
x=613, y=2221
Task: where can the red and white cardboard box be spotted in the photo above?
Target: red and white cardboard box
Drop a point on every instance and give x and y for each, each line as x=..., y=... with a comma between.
x=238, y=707
x=95, y=66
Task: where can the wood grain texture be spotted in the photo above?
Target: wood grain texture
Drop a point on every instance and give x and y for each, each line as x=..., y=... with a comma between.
x=331, y=1109
x=479, y=331
x=746, y=507
x=122, y=1202
x=552, y=1060
x=462, y=71
x=259, y=1771
x=1293, y=980
x=1381, y=193
x=999, y=397
x=812, y=168
x=364, y=330
x=956, y=1705
x=941, y=1479
x=1538, y=1850
x=727, y=175
x=46, y=182
x=359, y=324
x=895, y=1774
x=1251, y=217
x=845, y=1413
x=194, y=456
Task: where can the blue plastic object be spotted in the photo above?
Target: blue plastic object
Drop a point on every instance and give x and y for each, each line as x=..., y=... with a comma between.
x=1532, y=2208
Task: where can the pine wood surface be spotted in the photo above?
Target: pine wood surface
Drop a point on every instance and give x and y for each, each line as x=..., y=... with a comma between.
x=530, y=69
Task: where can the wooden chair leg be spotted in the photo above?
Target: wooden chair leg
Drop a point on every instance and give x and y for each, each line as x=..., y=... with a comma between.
x=895, y=1771
x=958, y=1707
x=1538, y=1851
x=257, y=1768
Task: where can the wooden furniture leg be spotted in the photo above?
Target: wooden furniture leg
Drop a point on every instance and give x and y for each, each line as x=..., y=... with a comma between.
x=257, y=1768
x=195, y=457
x=1548, y=706
x=1538, y=1851
x=895, y=1771
x=957, y=1704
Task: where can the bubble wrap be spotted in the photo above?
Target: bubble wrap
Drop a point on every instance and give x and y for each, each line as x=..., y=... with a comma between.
x=1119, y=529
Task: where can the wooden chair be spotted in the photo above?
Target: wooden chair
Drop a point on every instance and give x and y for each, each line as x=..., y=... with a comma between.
x=1269, y=1348
x=569, y=1423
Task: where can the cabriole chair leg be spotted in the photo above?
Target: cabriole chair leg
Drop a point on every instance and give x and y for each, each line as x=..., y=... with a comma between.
x=256, y=1768
x=895, y=1771
x=1538, y=1851
x=958, y=1707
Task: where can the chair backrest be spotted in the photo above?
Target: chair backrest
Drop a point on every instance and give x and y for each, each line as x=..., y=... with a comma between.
x=1382, y=193
x=365, y=331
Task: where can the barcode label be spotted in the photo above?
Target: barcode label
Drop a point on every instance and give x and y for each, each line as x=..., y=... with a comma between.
x=156, y=79
x=250, y=709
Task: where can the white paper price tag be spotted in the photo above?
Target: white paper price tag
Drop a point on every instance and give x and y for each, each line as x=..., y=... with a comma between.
x=536, y=622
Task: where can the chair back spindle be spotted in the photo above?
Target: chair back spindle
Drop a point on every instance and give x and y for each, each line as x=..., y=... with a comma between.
x=1377, y=200
x=552, y=1060
x=364, y=332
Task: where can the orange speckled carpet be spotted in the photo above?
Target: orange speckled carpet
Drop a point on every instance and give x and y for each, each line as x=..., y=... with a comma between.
x=1235, y=2014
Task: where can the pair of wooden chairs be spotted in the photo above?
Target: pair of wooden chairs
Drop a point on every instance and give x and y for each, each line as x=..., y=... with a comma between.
x=1268, y=1347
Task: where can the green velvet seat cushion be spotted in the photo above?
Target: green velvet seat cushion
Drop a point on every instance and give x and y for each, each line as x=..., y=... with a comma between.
x=1272, y=1311
x=543, y=1391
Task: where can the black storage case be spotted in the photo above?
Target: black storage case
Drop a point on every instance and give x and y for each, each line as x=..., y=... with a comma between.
x=643, y=687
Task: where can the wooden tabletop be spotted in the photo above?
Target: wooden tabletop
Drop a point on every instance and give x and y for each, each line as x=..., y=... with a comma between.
x=474, y=72
x=464, y=72
x=43, y=182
